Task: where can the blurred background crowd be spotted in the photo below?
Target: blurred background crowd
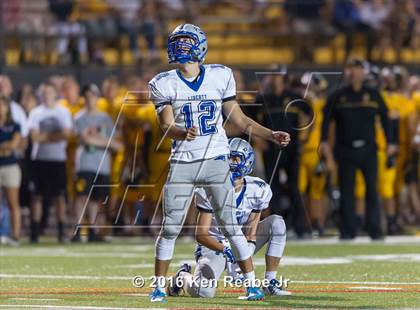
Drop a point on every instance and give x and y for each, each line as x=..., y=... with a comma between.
x=113, y=32
x=74, y=108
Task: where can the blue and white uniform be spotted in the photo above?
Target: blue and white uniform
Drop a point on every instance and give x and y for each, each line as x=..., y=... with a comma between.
x=196, y=103
x=254, y=197
x=203, y=161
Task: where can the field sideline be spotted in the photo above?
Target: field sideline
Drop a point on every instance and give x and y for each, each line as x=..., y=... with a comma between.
x=323, y=274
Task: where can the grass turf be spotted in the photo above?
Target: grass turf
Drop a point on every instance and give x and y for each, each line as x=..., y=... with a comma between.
x=342, y=275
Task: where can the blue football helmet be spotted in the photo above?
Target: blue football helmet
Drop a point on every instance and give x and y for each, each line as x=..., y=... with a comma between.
x=242, y=149
x=182, y=51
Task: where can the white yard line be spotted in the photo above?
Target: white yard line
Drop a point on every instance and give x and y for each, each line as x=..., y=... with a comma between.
x=58, y=277
x=133, y=266
x=58, y=254
x=12, y=306
x=394, y=240
x=353, y=282
x=375, y=288
x=42, y=299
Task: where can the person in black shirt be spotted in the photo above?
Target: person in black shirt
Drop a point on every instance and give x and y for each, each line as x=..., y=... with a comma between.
x=283, y=110
x=10, y=173
x=354, y=109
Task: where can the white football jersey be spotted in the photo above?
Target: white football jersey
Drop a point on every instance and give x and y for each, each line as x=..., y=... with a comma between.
x=196, y=103
x=255, y=196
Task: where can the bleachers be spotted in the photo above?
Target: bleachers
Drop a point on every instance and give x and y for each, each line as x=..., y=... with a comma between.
x=240, y=40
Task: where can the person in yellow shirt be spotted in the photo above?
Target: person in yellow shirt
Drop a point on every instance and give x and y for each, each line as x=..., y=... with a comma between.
x=413, y=212
x=387, y=168
x=312, y=179
x=158, y=151
x=146, y=153
x=72, y=101
x=71, y=95
x=407, y=126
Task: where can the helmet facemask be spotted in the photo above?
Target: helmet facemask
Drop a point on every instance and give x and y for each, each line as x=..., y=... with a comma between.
x=187, y=43
x=240, y=166
x=182, y=49
x=237, y=165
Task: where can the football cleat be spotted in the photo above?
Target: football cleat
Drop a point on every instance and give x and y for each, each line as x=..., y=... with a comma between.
x=175, y=289
x=157, y=295
x=274, y=289
x=5, y=240
x=254, y=294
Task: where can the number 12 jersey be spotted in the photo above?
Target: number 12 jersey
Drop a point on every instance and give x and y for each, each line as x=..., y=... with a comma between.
x=196, y=103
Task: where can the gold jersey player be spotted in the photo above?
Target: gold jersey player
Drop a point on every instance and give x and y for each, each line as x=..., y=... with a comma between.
x=190, y=101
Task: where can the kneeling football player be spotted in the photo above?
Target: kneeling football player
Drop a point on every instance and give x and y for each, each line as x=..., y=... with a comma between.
x=213, y=253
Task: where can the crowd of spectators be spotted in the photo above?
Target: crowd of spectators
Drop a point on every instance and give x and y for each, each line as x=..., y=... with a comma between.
x=78, y=31
x=59, y=139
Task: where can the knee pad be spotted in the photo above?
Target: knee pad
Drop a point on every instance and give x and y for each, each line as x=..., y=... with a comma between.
x=170, y=231
x=278, y=226
x=277, y=240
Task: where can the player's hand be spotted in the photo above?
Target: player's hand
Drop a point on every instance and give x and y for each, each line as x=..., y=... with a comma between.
x=191, y=133
x=280, y=138
x=228, y=254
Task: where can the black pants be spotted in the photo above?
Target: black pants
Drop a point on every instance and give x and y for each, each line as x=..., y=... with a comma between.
x=289, y=161
x=349, y=160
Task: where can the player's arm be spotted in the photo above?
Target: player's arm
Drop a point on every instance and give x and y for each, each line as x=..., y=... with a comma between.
x=329, y=117
x=251, y=226
x=202, y=232
x=167, y=124
x=383, y=112
x=235, y=115
x=412, y=124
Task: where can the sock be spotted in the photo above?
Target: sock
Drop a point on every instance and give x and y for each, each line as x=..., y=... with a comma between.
x=91, y=234
x=34, y=231
x=391, y=219
x=60, y=228
x=251, y=277
x=161, y=283
x=269, y=275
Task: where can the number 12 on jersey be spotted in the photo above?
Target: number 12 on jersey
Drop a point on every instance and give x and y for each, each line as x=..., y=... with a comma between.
x=206, y=117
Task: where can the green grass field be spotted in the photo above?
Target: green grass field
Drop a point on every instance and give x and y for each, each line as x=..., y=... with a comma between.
x=324, y=274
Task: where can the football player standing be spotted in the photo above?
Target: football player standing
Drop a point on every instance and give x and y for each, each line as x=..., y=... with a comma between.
x=189, y=101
